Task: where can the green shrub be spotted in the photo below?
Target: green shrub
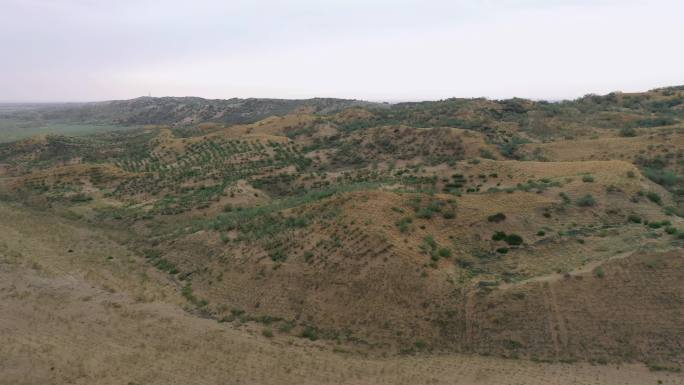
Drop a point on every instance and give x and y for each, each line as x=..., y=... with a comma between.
x=586, y=201
x=514, y=239
x=502, y=250
x=424, y=213
x=564, y=197
x=80, y=198
x=599, y=272
x=404, y=224
x=444, y=252
x=628, y=132
x=286, y=327
x=587, y=179
x=541, y=233
x=498, y=217
x=634, y=218
x=310, y=333
x=662, y=177
x=499, y=236
x=268, y=333
x=278, y=255
x=654, y=197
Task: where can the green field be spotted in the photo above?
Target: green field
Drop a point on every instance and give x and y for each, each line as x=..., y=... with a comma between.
x=16, y=129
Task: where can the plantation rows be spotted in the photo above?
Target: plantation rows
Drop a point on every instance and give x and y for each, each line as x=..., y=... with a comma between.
x=202, y=172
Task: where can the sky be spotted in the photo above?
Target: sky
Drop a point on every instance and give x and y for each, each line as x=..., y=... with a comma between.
x=380, y=50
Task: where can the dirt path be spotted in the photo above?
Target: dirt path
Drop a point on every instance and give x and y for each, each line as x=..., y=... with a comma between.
x=586, y=269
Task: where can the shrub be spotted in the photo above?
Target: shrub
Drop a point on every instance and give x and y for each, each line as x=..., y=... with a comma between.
x=286, y=327
x=310, y=333
x=587, y=179
x=502, y=250
x=308, y=256
x=654, y=197
x=627, y=132
x=278, y=255
x=541, y=233
x=662, y=177
x=430, y=242
x=514, y=239
x=498, y=217
x=599, y=272
x=444, y=252
x=634, y=218
x=424, y=213
x=268, y=333
x=586, y=201
x=499, y=236
x=79, y=198
x=564, y=197
x=404, y=224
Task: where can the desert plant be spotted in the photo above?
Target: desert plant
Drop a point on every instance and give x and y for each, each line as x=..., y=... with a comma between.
x=599, y=272
x=654, y=197
x=514, y=239
x=586, y=201
x=499, y=236
x=498, y=217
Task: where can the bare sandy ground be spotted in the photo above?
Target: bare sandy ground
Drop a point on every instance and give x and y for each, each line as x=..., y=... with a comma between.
x=97, y=315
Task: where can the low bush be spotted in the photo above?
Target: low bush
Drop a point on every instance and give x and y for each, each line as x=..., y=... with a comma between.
x=586, y=201
x=654, y=197
x=496, y=218
x=499, y=236
x=599, y=272
x=514, y=239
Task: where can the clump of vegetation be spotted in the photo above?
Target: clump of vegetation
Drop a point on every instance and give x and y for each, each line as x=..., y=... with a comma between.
x=587, y=179
x=628, y=132
x=586, y=201
x=404, y=224
x=510, y=239
x=499, y=236
x=599, y=272
x=310, y=332
x=514, y=239
x=496, y=218
x=654, y=197
x=564, y=197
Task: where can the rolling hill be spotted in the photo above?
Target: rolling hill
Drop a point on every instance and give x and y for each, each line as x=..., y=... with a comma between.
x=549, y=235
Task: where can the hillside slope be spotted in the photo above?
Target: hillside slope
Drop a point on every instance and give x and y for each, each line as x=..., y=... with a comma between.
x=521, y=229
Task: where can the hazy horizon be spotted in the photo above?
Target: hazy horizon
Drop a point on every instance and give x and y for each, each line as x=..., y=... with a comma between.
x=29, y=102
x=409, y=50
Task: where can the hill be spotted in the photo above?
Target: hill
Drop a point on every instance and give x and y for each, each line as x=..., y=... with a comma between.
x=549, y=233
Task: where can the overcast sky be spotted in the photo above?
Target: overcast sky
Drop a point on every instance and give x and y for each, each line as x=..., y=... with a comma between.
x=82, y=50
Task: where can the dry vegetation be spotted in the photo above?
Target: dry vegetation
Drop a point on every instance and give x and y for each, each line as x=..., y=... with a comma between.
x=341, y=242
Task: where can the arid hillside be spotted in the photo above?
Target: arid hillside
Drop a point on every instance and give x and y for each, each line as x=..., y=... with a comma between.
x=349, y=242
